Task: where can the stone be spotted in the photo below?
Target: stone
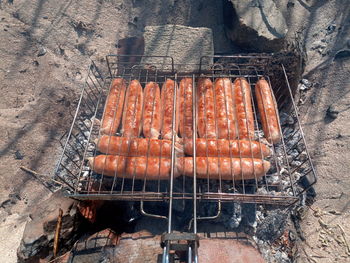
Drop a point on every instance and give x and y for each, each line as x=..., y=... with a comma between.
x=342, y=54
x=42, y=51
x=332, y=112
x=108, y=246
x=257, y=25
x=306, y=82
x=18, y=155
x=186, y=45
x=37, y=239
x=227, y=251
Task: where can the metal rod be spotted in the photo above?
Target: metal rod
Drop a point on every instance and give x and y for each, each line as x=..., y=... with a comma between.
x=194, y=125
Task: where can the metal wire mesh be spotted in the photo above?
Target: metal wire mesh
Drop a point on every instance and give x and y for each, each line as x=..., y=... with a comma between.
x=290, y=159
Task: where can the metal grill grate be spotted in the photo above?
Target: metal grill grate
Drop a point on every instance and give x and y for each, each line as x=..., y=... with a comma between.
x=278, y=186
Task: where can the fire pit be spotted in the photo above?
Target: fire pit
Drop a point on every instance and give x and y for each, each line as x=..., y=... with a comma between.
x=280, y=185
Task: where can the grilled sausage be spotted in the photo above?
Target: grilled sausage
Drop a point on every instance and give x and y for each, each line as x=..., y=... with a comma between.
x=225, y=112
x=223, y=168
x=136, y=146
x=206, y=109
x=268, y=111
x=185, y=108
x=114, y=107
x=227, y=148
x=151, y=123
x=244, y=111
x=151, y=168
x=133, y=110
x=167, y=98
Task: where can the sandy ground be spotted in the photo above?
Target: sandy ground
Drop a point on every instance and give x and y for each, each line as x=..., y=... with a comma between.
x=38, y=92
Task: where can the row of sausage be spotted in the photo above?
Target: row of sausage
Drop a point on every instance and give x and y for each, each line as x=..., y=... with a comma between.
x=225, y=148
x=224, y=109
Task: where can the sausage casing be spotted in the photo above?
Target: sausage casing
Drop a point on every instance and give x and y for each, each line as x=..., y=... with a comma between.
x=206, y=109
x=114, y=107
x=133, y=110
x=244, y=110
x=185, y=108
x=151, y=122
x=223, y=168
x=228, y=148
x=126, y=146
x=167, y=98
x=149, y=168
x=225, y=111
x=268, y=111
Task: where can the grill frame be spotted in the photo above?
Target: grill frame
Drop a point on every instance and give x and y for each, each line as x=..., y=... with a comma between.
x=95, y=90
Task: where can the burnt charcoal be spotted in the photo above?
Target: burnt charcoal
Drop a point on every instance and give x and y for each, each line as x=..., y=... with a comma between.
x=132, y=212
x=249, y=214
x=249, y=210
x=310, y=192
x=332, y=112
x=272, y=226
x=296, y=221
x=18, y=155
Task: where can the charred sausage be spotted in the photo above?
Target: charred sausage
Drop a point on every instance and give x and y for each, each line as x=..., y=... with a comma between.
x=268, y=111
x=185, y=108
x=206, y=109
x=114, y=107
x=135, y=146
x=244, y=110
x=228, y=148
x=133, y=110
x=223, y=168
x=150, y=168
x=225, y=112
x=151, y=122
x=167, y=98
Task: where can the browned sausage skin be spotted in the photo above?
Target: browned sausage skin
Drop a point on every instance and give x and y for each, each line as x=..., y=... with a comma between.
x=114, y=107
x=244, y=110
x=133, y=110
x=126, y=146
x=228, y=148
x=149, y=168
x=167, y=98
x=268, y=111
x=224, y=168
x=225, y=111
x=206, y=109
x=151, y=122
x=185, y=108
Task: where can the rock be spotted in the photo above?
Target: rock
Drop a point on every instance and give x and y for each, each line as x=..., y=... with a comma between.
x=37, y=240
x=348, y=43
x=332, y=112
x=42, y=51
x=320, y=46
x=227, y=251
x=18, y=155
x=306, y=83
x=185, y=44
x=107, y=246
x=257, y=25
x=342, y=54
x=331, y=28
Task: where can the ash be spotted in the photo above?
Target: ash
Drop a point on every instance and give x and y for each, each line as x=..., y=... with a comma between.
x=264, y=223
